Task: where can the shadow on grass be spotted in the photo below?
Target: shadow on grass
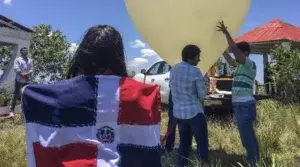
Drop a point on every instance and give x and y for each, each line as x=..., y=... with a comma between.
x=224, y=159
x=216, y=157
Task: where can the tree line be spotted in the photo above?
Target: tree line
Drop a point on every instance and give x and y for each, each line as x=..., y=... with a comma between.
x=49, y=50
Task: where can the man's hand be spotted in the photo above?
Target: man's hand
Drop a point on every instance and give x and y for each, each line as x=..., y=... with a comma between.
x=239, y=56
x=25, y=74
x=222, y=28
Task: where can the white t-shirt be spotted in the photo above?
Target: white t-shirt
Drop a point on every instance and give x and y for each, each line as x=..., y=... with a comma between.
x=21, y=65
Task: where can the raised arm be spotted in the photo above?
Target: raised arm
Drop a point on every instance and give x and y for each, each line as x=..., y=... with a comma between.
x=238, y=54
x=229, y=59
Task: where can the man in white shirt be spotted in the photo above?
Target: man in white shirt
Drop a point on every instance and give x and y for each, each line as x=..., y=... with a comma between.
x=23, y=69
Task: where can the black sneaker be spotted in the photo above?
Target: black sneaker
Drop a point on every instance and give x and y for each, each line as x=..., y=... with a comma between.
x=168, y=149
x=204, y=162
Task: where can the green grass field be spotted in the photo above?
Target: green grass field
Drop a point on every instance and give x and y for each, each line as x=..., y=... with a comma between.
x=278, y=131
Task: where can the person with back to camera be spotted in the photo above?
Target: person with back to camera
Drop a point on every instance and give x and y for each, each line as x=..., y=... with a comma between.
x=172, y=123
x=118, y=116
x=188, y=93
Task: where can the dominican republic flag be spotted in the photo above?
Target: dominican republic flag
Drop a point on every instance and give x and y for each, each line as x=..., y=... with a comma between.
x=93, y=121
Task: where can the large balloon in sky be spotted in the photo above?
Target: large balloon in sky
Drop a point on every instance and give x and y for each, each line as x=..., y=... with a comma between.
x=169, y=25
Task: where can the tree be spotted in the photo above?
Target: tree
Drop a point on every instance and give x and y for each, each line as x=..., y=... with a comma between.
x=223, y=65
x=5, y=56
x=285, y=72
x=49, y=53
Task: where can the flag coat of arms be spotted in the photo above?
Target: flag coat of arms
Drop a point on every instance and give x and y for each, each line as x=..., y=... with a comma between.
x=92, y=121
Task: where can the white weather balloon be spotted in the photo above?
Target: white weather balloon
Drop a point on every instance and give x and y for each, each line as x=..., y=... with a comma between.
x=169, y=25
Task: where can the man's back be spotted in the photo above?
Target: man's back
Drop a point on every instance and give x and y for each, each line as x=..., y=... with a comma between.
x=187, y=87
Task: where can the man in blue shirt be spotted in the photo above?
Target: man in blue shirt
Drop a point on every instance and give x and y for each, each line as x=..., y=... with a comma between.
x=188, y=91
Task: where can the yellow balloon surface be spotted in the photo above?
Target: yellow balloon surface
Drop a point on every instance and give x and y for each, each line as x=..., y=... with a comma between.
x=169, y=25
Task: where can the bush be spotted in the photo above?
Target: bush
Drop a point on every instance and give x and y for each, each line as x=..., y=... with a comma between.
x=285, y=72
x=4, y=97
x=278, y=131
x=5, y=56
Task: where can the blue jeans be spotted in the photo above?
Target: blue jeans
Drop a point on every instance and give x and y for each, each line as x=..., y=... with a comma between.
x=245, y=114
x=198, y=127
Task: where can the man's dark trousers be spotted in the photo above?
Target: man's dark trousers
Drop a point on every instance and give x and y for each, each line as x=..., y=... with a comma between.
x=172, y=123
x=16, y=95
x=198, y=127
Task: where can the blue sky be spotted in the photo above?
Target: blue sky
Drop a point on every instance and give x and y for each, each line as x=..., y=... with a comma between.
x=75, y=17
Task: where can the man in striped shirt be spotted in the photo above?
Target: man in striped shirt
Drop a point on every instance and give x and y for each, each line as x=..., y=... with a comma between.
x=244, y=103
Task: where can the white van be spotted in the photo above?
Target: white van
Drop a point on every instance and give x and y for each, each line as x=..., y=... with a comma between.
x=220, y=87
x=159, y=74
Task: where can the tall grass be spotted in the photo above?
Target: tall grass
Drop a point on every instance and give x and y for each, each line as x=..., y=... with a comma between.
x=278, y=132
x=12, y=143
x=277, y=129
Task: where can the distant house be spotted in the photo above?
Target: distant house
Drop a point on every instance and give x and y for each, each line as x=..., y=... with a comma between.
x=17, y=35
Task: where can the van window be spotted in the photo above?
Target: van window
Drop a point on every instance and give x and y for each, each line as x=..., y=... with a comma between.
x=154, y=69
x=165, y=68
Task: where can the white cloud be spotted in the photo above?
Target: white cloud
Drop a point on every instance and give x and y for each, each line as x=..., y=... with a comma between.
x=147, y=57
x=138, y=44
x=73, y=48
x=137, y=64
x=139, y=60
x=7, y=2
x=148, y=53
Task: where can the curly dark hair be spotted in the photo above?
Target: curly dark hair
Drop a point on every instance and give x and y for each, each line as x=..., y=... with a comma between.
x=190, y=52
x=244, y=46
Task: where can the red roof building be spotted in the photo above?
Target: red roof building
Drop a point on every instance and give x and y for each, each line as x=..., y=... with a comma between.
x=272, y=31
x=264, y=37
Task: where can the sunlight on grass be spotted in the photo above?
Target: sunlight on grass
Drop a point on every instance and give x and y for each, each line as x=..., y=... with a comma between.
x=277, y=128
x=12, y=143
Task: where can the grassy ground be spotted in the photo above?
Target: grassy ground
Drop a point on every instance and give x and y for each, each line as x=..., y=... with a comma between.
x=278, y=131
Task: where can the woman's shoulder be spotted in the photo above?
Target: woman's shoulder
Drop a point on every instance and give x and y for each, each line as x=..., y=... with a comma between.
x=133, y=84
x=133, y=90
